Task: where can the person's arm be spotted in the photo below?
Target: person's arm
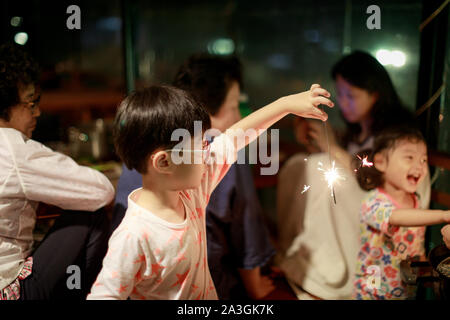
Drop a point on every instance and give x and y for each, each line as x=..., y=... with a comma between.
x=418, y=217
x=226, y=146
x=56, y=179
x=303, y=104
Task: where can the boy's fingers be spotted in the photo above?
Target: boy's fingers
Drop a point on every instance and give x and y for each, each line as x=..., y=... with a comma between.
x=315, y=85
x=320, y=92
x=318, y=114
x=322, y=100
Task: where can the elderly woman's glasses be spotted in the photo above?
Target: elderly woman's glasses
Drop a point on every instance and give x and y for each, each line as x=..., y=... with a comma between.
x=32, y=105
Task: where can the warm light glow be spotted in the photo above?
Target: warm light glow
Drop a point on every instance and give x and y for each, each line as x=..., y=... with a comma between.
x=331, y=175
x=365, y=162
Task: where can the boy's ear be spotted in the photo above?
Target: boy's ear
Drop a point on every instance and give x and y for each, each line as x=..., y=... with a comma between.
x=160, y=162
x=380, y=162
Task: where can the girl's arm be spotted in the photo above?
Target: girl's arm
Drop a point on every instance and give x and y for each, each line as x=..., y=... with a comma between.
x=418, y=217
x=303, y=104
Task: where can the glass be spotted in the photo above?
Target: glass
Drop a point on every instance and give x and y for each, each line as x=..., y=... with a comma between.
x=31, y=105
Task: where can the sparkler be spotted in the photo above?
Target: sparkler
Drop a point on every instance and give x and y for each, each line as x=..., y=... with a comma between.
x=365, y=162
x=332, y=176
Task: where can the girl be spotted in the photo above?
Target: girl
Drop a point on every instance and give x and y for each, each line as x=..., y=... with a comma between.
x=368, y=103
x=392, y=227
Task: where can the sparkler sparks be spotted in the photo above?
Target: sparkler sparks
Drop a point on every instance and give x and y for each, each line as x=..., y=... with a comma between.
x=332, y=176
x=305, y=188
x=365, y=162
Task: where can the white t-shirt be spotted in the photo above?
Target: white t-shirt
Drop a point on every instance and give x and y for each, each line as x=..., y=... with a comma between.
x=150, y=258
x=31, y=173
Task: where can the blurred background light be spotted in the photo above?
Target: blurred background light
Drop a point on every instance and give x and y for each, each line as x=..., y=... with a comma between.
x=398, y=58
x=16, y=21
x=221, y=46
x=395, y=58
x=110, y=24
x=21, y=38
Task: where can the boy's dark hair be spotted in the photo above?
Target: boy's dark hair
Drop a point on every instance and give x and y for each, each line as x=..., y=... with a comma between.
x=208, y=78
x=147, y=118
x=369, y=177
x=17, y=68
x=364, y=71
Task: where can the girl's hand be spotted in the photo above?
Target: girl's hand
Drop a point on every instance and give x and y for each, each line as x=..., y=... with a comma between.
x=306, y=104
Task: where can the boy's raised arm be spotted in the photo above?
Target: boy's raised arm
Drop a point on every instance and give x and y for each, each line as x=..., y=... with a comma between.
x=303, y=104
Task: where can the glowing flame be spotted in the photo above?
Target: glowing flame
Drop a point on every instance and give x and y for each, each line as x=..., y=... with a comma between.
x=332, y=176
x=365, y=162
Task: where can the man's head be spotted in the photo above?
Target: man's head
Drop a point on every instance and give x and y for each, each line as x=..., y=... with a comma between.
x=216, y=83
x=19, y=75
x=145, y=125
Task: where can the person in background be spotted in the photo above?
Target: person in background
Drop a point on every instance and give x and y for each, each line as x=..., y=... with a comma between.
x=31, y=173
x=321, y=263
x=392, y=226
x=237, y=238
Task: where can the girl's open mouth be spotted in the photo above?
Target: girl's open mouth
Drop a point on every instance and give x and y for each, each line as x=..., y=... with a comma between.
x=413, y=178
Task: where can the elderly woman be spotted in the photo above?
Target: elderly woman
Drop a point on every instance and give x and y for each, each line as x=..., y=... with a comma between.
x=31, y=173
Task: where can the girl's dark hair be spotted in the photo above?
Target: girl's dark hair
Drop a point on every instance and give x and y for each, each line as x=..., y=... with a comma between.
x=147, y=118
x=208, y=78
x=364, y=71
x=16, y=68
x=369, y=177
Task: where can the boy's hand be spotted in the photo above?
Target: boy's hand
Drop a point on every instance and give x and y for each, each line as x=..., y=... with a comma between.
x=306, y=104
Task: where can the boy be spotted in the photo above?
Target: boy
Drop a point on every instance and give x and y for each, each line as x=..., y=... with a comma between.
x=159, y=249
x=238, y=243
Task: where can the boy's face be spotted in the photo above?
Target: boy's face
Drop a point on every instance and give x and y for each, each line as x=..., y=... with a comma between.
x=228, y=113
x=405, y=166
x=23, y=116
x=189, y=173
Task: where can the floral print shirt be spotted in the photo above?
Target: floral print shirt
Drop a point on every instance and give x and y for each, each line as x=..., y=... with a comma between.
x=382, y=248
